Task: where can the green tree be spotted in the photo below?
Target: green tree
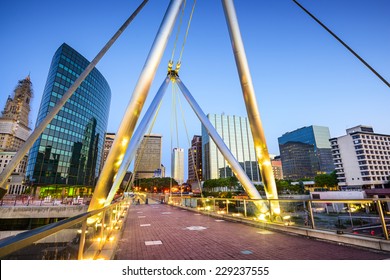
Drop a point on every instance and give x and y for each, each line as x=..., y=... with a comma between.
x=326, y=180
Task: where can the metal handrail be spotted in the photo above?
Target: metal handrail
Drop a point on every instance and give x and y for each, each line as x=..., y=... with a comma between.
x=14, y=243
x=376, y=201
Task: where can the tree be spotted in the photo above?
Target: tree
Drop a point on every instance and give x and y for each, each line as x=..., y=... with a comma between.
x=326, y=180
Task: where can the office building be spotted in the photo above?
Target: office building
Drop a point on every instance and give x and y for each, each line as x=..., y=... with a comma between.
x=277, y=169
x=14, y=131
x=14, y=120
x=148, y=156
x=16, y=183
x=362, y=158
x=236, y=133
x=306, y=152
x=108, y=140
x=178, y=165
x=69, y=150
x=195, y=160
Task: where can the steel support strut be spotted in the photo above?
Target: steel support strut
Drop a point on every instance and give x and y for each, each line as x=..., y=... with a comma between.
x=50, y=116
x=248, y=91
x=136, y=140
x=134, y=108
x=229, y=157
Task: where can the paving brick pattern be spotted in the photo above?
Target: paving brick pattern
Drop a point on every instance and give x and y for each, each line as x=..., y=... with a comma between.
x=176, y=234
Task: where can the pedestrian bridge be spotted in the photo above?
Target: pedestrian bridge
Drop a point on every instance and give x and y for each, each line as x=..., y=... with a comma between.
x=210, y=228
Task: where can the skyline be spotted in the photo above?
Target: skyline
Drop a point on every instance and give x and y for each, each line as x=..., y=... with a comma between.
x=290, y=56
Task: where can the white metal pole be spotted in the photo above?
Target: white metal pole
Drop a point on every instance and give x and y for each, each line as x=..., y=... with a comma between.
x=136, y=140
x=134, y=108
x=249, y=95
x=234, y=164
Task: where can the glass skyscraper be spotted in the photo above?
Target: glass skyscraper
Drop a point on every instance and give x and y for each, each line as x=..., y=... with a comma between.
x=306, y=152
x=235, y=132
x=70, y=149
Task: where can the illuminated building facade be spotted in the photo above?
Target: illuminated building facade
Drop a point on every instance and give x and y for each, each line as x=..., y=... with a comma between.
x=70, y=149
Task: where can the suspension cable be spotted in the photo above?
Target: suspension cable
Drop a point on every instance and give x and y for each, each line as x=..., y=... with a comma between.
x=170, y=63
x=189, y=144
x=178, y=64
x=185, y=38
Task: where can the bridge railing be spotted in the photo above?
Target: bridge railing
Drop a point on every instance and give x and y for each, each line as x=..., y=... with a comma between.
x=364, y=217
x=91, y=235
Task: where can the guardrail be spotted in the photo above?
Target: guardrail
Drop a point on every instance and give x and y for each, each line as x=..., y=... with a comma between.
x=91, y=235
x=364, y=217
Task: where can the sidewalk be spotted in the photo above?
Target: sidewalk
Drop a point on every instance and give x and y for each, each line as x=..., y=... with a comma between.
x=163, y=232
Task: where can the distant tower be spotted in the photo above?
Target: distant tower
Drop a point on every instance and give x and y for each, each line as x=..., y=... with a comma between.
x=195, y=160
x=148, y=157
x=108, y=140
x=14, y=131
x=178, y=165
x=14, y=120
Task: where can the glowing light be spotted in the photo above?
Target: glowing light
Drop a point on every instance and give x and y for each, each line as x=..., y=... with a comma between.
x=99, y=239
x=286, y=217
x=262, y=217
x=277, y=211
x=101, y=201
x=266, y=163
x=125, y=141
x=111, y=238
x=259, y=152
x=91, y=221
x=208, y=208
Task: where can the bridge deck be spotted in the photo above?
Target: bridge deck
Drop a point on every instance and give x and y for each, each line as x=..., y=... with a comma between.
x=163, y=232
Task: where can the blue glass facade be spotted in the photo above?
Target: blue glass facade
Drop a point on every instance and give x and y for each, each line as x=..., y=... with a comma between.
x=306, y=152
x=69, y=150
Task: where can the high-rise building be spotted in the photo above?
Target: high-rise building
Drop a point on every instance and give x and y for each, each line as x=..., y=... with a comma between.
x=14, y=121
x=236, y=133
x=195, y=160
x=14, y=131
x=148, y=156
x=178, y=165
x=108, y=140
x=306, y=152
x=69, y=150
x=362, y=158
x=16, y=183
x=276, y=163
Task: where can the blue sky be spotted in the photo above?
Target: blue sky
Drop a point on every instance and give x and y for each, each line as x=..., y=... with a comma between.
x=302, y=76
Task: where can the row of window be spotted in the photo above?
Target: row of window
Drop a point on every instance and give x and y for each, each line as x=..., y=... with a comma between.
x=364, y=162
x=359, y=147
x=372, y=137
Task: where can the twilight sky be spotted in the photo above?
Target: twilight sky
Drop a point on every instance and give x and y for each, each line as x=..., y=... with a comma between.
x=302, y=76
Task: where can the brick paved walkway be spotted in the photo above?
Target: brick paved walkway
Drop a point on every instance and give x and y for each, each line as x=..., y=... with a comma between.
x=163, y=232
